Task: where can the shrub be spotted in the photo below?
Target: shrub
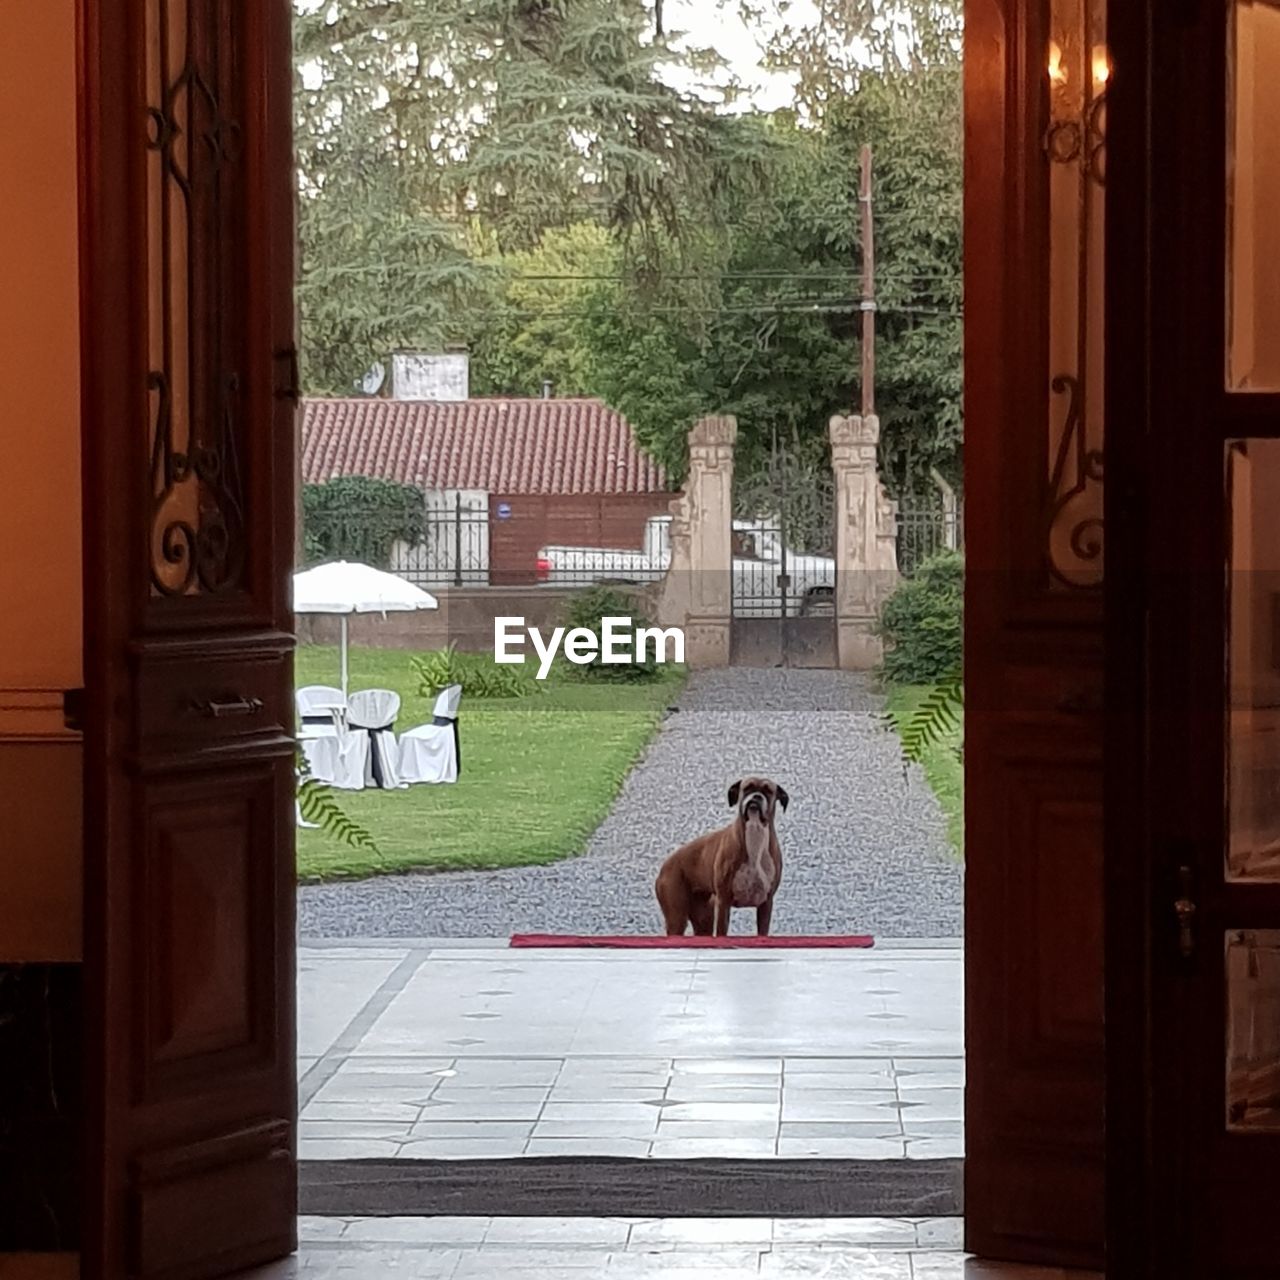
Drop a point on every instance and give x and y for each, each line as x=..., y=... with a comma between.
x=923, y=623
x=360, y=518
x=587, y=610
x=477, y=673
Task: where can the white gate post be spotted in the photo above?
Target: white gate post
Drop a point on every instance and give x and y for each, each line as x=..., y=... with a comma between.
x=697, y=591
x=866, y=541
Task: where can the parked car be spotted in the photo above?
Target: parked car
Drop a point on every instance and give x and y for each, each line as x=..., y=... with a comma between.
x=757, y=569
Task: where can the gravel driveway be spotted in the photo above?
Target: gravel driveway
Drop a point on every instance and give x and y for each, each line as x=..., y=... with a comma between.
x=864, y=847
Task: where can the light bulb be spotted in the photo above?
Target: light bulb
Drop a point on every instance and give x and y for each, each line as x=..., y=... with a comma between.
x=1057, y=71
x=1101, y=66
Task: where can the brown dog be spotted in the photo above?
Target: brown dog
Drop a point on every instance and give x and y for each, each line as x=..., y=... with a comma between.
x=738, y=866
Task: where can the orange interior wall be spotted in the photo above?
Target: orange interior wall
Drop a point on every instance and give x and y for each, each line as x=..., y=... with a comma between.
x=40, y=563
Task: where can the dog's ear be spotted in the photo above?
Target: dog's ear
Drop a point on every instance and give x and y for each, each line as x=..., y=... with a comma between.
x=783, y=798
x=734, y=792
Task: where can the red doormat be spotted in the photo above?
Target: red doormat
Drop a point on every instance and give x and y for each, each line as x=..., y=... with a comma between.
x=689, y=941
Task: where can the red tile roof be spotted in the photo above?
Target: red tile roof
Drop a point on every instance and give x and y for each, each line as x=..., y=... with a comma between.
x=502, y=446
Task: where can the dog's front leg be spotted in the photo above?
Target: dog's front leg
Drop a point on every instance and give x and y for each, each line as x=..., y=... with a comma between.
x=722, y=915
x=764, y=916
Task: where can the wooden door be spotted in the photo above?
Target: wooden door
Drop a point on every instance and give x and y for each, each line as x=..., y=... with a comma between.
x=1194, y=919
x=188, y=466
x=1035, y=172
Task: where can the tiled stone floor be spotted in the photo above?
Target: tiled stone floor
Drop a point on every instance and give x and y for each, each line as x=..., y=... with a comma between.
x=665, y=1249
x=473, y=1051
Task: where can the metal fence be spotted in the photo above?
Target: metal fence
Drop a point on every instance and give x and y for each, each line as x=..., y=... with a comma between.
x=454, y=551
x=927, y=524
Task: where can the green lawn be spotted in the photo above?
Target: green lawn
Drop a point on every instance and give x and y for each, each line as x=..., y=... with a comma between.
x=942, y=766
x=538, y=773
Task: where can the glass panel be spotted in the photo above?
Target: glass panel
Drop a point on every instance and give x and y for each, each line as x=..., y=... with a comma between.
x=1075, y=143
x=1253, y=1029
x=195, y=260
x=1253, y=660
x=1253, y=195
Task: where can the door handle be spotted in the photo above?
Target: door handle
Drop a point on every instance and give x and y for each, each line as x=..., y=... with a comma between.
x=1184, y=908
x=1084, y=701
x=215, y=709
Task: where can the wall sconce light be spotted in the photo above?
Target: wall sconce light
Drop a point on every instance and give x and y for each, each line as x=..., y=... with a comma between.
x=1077, y=106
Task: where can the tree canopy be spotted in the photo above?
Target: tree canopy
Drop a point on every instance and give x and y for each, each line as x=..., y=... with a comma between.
x=521, y=175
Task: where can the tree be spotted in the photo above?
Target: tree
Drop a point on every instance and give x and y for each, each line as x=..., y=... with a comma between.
x=424, y=121
x=377, y=272
x=912, y=121
x=516, y=174
x=768, y=327
x=767, y=331
x=889, y=73
x=531, y=334
x=841, y=44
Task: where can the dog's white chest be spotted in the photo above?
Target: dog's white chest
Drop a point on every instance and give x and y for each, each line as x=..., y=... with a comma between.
x=753, y=881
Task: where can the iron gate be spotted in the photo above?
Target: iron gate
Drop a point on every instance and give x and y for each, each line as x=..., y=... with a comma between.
x=784, y=572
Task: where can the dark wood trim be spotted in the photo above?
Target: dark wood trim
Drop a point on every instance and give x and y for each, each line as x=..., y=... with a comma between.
x=1034, y=705
x=1130, y=1213
x=113, y=462
x=608, y=1186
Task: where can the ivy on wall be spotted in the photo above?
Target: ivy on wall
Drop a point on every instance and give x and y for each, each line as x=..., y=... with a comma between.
x=361, y=519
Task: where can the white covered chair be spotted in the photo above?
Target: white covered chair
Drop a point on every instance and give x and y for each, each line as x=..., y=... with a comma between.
x=334, y=755
x=372, y=715
x=338, y=759
x=431, y=752
x=320, y=710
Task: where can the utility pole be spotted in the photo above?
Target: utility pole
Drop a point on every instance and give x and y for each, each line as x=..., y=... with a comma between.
x=868, y=304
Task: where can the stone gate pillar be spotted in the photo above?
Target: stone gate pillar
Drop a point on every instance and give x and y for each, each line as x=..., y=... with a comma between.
x=697, y=593
x=866, y=541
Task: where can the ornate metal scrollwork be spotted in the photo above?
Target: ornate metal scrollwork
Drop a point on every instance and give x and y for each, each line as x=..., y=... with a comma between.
x=203, y=550
x=1069, y=141
x=1074, y=522
x=198, y=519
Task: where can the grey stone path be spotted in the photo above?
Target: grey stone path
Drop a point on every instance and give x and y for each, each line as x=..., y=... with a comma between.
x=864, y=842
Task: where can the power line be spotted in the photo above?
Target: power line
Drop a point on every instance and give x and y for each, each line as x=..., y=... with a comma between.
x=797, y=307
x=443, y=213
x=384, y=268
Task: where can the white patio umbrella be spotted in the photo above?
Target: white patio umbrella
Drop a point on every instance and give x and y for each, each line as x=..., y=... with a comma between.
x=343, y=589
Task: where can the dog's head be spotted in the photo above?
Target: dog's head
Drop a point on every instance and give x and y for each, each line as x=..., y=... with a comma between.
x=757, y=799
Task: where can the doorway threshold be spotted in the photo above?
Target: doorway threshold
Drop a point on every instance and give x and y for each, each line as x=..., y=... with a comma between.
x=568, y=1186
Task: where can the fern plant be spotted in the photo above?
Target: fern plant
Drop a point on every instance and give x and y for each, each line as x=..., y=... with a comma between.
x=478, y=674
x=317, y=806
x=937, y=717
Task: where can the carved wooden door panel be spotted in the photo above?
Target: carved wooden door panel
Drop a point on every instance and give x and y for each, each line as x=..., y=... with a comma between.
x=1036, y=81
x=188, y=479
